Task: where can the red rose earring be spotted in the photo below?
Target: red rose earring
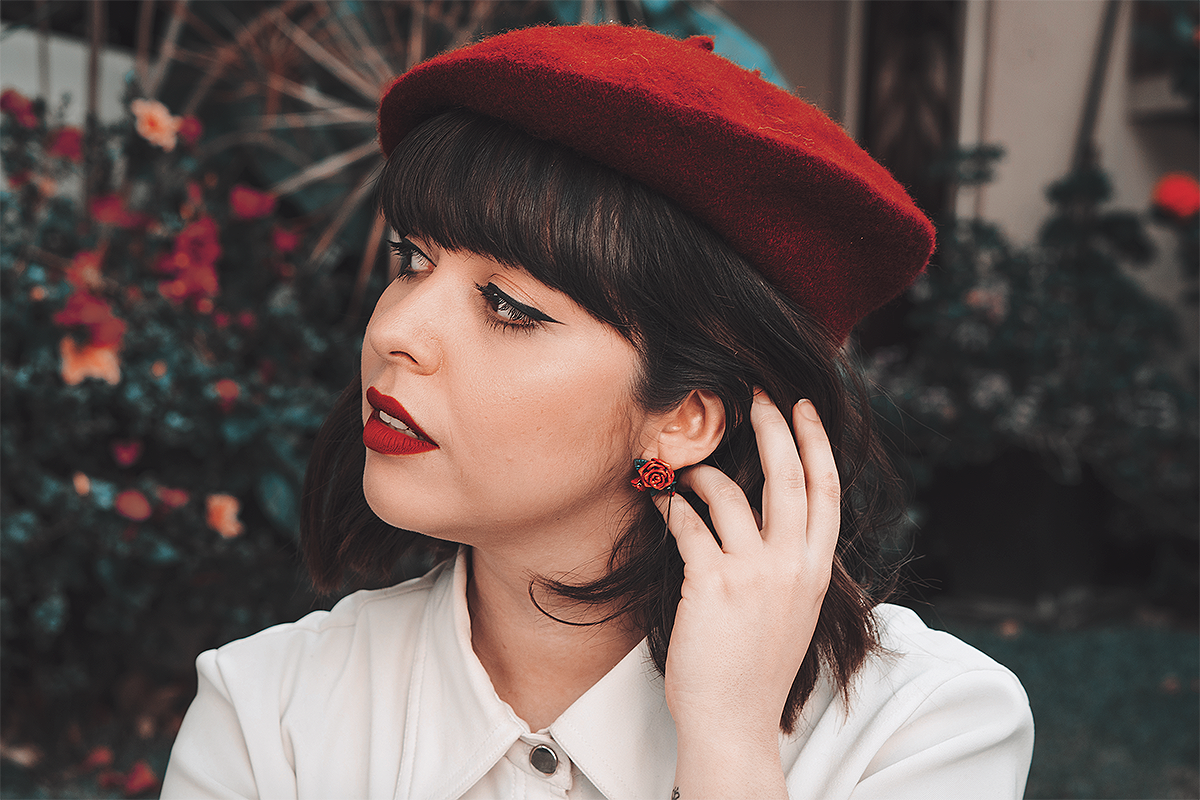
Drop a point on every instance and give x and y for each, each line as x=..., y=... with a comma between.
x=654, y=476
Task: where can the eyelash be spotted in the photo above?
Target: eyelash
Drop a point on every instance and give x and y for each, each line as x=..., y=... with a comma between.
x=501, y=304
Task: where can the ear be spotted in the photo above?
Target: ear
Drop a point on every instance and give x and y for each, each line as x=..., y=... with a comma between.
x=688, y=433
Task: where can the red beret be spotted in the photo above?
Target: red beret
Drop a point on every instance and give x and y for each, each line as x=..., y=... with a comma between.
x=777, y=179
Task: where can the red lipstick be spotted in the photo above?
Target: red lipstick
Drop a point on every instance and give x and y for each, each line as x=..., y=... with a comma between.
x=383, y=438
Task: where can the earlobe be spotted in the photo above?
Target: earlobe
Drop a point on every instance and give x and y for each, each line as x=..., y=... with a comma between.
x=690, y=432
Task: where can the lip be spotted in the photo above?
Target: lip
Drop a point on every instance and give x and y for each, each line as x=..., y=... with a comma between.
x=383, y=438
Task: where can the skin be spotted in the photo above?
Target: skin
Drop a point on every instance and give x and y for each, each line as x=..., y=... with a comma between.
x=537, y=431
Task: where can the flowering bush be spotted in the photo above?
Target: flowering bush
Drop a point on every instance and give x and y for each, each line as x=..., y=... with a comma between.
x=164, y=367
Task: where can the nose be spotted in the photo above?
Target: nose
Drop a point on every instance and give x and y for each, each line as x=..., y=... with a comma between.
x=404, y=328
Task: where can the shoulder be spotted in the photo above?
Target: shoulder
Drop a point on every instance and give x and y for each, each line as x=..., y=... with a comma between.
x=928, y=716
x=358, y=627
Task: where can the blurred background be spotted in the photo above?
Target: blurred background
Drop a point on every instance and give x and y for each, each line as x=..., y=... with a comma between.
x=188, y=258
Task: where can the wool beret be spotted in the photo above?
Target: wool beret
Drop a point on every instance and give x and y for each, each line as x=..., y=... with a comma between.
x=778, y=180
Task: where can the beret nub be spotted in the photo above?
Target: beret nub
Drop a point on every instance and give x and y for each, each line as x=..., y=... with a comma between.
x=777, y=179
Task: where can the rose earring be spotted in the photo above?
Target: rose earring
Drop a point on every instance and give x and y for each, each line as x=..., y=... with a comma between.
x=654, y=475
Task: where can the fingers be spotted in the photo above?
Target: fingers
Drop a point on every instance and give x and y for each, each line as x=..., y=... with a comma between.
x=785, y=500
x=822, y=486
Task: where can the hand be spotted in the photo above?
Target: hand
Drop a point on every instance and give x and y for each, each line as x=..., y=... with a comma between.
x=749, y=605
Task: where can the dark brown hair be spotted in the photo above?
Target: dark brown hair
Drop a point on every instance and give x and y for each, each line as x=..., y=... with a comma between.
x=700, y=317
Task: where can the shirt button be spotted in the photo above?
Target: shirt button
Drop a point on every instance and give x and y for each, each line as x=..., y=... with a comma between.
x=543, y=759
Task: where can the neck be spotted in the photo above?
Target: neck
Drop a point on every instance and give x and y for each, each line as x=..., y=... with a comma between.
x=538, y=665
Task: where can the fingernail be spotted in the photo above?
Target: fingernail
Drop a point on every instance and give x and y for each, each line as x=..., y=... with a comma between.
x=808, y=410
x=760, y=396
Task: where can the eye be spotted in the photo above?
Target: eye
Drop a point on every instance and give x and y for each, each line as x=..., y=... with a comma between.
x=412, y=260
x=508, y=313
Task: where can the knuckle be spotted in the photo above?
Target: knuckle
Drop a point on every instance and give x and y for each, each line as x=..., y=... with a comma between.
x=829, y=487
x=791, y=479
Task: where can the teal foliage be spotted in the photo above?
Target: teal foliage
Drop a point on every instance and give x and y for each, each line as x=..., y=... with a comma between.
x=217, y=395
x=1053, y=349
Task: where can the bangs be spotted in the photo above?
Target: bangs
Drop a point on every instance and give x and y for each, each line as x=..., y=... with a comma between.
x=472, y=183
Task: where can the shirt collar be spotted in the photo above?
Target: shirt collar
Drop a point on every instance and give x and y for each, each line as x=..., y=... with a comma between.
x=619, y=733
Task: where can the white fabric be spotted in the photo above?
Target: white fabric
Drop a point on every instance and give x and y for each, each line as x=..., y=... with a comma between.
x=383, y=697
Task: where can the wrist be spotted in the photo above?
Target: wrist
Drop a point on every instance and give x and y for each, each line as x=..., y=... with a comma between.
x=723, y=764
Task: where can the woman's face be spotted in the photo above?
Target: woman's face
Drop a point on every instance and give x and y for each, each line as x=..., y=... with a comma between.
x=524, y=401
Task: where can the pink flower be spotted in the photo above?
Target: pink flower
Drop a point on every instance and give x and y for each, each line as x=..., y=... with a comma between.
x=190, y=130
x=19, y=106
x=222, y=512
x=1178, y=194
x=250, y=203
x=247, y=319
x=127, y=452
x=285, y=241
x=155, y=123
x=67, y=143
x=93, y=361
x=172, y=498
x=133, y=505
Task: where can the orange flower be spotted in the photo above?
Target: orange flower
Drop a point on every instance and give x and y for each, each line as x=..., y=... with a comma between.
x=222, y=515
x=93, y=361
x=67, y=143
x=83, y=484
x=155, y=123
x=1178, y=194
x=250, y=203
x=20, y=106
x=37, y=294
x=133, y=505
x=158, y=369
x=172, y=498
x=227, y=393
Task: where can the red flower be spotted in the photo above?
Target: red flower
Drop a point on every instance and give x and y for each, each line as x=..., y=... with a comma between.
x=1178, y=195
x=247, y=319
x=67, y=143
x=19, y=179
x=172, y=498
x=190, y=130
x=110, y=209
x=654, y=475
x=99, y=757
x=250, y=203
x=84, y=272
x=83, y=308
x=227, y=393
x=133, y=505
x=19, y=106
x=285, y=241
x=221, y=319
x=198, y=241
x=140, y=778
x=126, y=453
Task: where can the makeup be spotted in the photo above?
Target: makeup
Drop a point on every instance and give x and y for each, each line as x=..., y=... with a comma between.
x=385, y=438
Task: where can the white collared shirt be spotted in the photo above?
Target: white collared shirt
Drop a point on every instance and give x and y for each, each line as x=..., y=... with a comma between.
x=383, y=697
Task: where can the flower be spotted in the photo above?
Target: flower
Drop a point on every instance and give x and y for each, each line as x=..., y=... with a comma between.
x=158, y=369
x=37, y=294
x=155, y=123
x=172, y=498
x=190, y=130
x=19, y=106
x=92, y=361
x=285, y=241
x=126, y=452
x=133, y=505
x=654, y=475
x=1178, y=194
x=250, y=203
x=140, y=778
x=84, y=272
x=82, y=484
x=222, y=511
x=19, y=179
x=110, y=209
x=99, y=757
x=67, y=143
x=247, y=319
x=192, y=262
x=84, y=308
x=227, y=393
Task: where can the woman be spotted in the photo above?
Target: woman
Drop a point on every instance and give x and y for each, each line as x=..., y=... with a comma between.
x=608, y=382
